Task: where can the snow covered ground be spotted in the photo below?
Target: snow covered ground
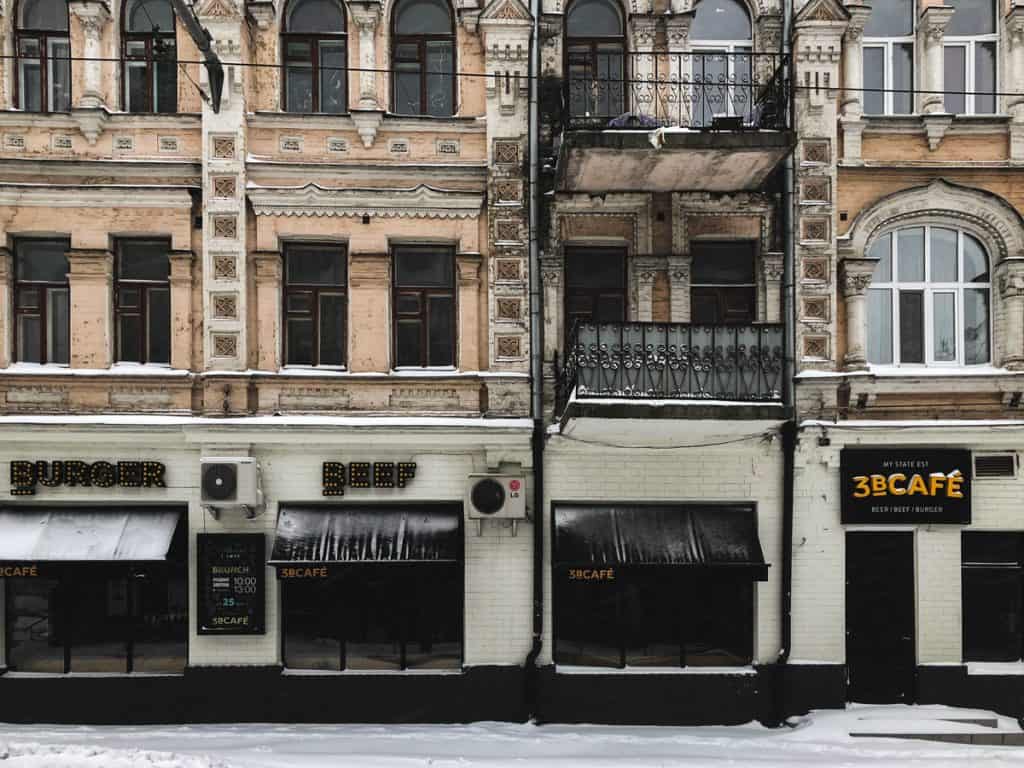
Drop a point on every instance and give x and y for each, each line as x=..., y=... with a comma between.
x=821, y=739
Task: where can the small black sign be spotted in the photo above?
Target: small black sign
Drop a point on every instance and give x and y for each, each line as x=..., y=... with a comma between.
x=232, y=583
x=907, y=485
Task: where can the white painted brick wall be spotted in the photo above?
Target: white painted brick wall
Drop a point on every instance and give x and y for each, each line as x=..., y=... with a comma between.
x=749, y=471
x=498, y=567
x=819, y=590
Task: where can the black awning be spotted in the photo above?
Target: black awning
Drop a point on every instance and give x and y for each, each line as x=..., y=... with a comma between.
x=691, y=535
x=368, y=534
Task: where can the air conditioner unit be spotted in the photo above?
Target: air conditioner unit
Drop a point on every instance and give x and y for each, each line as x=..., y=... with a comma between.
x=496, y=497
x=231, y=482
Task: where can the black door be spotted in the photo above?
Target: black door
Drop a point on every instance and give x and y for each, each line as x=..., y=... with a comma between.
x=880, y=655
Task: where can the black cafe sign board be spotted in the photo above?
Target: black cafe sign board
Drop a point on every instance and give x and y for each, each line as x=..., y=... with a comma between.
x=907, y=485
x=232, y=583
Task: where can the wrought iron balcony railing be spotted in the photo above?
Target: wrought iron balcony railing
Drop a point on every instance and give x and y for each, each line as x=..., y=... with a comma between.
x=672, y=361
x=688, y=90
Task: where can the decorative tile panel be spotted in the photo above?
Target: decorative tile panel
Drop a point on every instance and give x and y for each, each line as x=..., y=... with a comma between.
x=507, y=230
x=815, y=347
x=506, y=152
x=290, y=144
x=814, y=309
x=337, y=145
x=168, y=143
x=225, y=345
x=225, y=306
x=399, y=147
x=814, y=269
x=508, y=191
x=124, y=143
x=509, y=346
x=509, y=309
x=224, y=186
x=223, y=147
x=816, y=188
x=225, y=226
x=225, y=266
x=448, y=147
x=14, y=141
x=508, y=269
x=814, y=228
x=61, y=142
x=816, y=151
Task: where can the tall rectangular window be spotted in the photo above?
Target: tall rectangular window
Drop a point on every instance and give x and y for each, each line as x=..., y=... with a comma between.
x=723, y=288
x=41, y=301
x=595, y=286
x=993, y=604
x=889, y=58
x=142, y=300
x=424, y=306
x=970, y=58
x=315, y=304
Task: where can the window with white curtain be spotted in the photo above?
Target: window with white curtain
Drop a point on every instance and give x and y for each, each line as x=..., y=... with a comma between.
x=930, y=298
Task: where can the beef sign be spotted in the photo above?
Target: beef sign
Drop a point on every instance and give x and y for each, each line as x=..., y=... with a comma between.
x=906, y=485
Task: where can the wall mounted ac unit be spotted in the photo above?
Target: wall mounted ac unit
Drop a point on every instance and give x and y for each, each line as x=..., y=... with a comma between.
x=496, y=497
x=231, y=483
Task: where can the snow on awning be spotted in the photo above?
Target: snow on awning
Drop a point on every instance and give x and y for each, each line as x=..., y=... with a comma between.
x=715, y=536
x=70, y=534
x=366, y=534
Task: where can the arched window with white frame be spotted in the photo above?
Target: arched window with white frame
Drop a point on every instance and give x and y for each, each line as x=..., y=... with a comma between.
x=888, y=54
x=969, y=55
x=722, y=42
x=43, y=51
x=930, y=298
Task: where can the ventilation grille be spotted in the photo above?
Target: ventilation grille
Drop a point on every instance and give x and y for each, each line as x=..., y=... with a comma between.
x=995, y=465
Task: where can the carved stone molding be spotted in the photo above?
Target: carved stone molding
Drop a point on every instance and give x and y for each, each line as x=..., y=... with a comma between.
x=468, y=268
x=551, y=270
x=367, y=124
x=986, y=215
x=269, y=266
x=181, y=266
x=422, y=201
x=771, y=267
x=855, y=275
x=90, y=263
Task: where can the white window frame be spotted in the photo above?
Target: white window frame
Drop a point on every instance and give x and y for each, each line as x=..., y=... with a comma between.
x=887, y=44
x=51, y=90
x=930, y=289
x=728, y=49
x=968, y=43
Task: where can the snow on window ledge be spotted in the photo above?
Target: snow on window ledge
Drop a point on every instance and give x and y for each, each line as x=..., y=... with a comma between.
x=995, y=668
x=290, y=672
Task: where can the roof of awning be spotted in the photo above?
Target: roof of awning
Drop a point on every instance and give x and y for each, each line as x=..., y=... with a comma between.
x=73, y=534
x=367, y=534
x=714, y=535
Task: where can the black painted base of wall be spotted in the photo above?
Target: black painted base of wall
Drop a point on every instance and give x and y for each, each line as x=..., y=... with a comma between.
x=265, y=694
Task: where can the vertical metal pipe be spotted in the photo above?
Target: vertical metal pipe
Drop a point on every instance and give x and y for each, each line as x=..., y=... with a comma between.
x=531, y=673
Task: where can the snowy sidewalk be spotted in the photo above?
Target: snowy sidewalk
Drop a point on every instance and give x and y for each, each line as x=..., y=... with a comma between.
x=822, y=739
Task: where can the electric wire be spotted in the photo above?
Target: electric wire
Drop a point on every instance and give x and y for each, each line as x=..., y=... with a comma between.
x=769, y=436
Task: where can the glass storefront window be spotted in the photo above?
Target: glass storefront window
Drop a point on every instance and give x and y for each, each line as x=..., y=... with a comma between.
x=371, y=616
x=992, y=596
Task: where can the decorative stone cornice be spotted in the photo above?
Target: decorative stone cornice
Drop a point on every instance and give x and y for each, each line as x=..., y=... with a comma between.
x=92, y=14
x=365, y=13
x=771, y=267
x=422, y=201
x=551, y=270
x=858, y=19
x=100, y=196
x=933, y=21
x=855, y=275
x=468, y=267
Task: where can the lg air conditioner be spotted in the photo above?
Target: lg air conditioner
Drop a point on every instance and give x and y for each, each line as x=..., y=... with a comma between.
x=496, y=497
x=231, y=483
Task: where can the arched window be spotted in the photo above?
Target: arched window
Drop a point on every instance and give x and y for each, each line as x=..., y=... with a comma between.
x=721, y=38
x=315, y=57
x=423, y=58
x=889, y=58
x=595, y=60
x=43, y=49
x=929, y=298
x=150, y=56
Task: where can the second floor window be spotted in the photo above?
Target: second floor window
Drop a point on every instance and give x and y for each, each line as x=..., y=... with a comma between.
x=43, y=48
x=142, y=301
x=41, y=301
x=722, y=72
x=315, y=57
x=150, y=57
x=723, y=288
x=595, y=286
x=424, y=306
x=970, y=58
x=595, y=60
x=314, y=304
x=929, y=299
x=889, y=58
x=423, y=58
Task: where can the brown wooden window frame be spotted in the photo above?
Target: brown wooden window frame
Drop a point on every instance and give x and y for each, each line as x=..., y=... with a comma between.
x=598, y=293
x=150, y=57
x=43, y=290
x=594, y=57
x=424, y=294
x=43, y=37
x=314, y=291
x=721, y=289
x=421, y=42
x=314, y=41
x=143, y=342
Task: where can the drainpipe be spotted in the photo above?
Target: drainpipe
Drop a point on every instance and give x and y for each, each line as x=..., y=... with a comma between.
x=789, y=429
x=532, y=673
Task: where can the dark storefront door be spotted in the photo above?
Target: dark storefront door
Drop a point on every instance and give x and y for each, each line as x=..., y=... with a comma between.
x=880, y=655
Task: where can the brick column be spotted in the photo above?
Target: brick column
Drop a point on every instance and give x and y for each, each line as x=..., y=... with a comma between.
x=931, y=30
x=468, y=322
x=92, y=16
x=853, y=81
x=1010, y=333
x=181, y=309
x=855, y=277
x=679, y=288
x=771, y=269
x=90, y=279
x=552, y=270
x=6, y=306
x=645, y=272
x=269, y=345
x=369, y=345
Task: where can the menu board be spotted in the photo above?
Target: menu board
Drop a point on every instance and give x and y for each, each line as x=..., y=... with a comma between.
x=232, y=584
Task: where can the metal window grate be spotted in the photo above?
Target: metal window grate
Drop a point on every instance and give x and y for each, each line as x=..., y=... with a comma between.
x=995, y=465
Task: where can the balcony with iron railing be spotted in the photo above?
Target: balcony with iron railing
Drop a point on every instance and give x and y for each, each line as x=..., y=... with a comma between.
x=663, y=122
x=637, y=364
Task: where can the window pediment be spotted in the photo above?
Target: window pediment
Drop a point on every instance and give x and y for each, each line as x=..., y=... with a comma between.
x=422, y=201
